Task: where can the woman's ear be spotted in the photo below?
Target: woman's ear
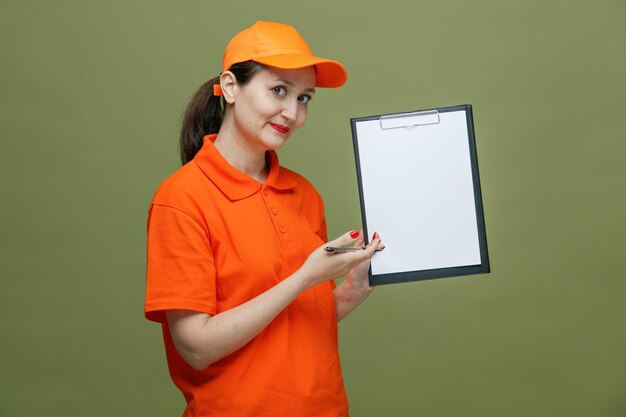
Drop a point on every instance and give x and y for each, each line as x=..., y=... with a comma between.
x=228, y=81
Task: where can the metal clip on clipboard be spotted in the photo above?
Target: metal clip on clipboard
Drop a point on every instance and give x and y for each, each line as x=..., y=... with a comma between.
x=409, y=120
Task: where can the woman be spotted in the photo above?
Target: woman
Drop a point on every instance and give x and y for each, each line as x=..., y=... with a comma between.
x=237, y=273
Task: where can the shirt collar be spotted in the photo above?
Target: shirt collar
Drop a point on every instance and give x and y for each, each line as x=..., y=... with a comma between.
x=233, y=183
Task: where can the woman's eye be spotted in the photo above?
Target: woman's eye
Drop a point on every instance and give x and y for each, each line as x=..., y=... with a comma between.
x=304, y=99
x=280, y=91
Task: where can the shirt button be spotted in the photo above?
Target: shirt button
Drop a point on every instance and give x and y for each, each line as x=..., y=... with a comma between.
x=283, y=229
x=274, y=211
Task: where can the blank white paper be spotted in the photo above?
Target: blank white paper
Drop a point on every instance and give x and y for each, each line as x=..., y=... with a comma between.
x=418, y=194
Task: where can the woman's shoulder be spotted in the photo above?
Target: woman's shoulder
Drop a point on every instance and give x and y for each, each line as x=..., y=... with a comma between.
x=304, y=190
x=180, y=186
x=299, y=180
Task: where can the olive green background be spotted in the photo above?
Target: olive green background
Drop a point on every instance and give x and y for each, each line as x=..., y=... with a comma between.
x=91, y=99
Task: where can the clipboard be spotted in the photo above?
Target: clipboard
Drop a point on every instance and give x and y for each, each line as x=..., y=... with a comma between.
x=419, y=188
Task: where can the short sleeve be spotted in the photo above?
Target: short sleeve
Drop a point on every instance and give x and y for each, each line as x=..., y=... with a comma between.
x=180, y=271
x=322, y=231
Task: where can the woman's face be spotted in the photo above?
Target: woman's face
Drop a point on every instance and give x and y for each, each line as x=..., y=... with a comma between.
x=272, y=106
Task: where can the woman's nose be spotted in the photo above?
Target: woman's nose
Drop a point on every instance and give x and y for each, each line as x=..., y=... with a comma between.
x=290, y=110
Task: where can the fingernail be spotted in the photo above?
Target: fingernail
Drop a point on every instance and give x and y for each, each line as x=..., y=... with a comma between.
x=354, y=234
x=375, y=235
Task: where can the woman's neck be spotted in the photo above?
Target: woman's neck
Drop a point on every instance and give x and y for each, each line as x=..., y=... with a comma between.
x=246, y=159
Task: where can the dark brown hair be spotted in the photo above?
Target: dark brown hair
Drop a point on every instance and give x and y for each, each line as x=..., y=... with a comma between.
x=205, y=111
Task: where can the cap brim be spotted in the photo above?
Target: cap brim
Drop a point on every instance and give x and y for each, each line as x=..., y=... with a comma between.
x=330, y=74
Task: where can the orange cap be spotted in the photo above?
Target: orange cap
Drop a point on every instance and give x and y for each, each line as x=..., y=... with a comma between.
x=281, y=46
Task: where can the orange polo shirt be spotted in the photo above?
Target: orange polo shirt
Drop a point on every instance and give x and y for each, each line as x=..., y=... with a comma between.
x=218, y=238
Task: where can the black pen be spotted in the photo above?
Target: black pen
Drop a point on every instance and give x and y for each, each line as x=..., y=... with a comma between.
x=349, y=249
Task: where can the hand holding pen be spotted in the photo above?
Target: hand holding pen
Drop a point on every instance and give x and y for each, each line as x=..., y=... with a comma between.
x=338, y=249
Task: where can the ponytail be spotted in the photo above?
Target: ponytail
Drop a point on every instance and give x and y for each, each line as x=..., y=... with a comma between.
x=203, y=116
x=205, y=111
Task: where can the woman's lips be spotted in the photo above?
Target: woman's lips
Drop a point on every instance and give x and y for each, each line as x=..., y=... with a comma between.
x=280, y=128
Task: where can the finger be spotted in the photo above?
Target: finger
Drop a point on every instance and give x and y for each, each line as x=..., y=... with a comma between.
x=374, y=244
x=345, y=239
x=380, y=246
x=361, y=239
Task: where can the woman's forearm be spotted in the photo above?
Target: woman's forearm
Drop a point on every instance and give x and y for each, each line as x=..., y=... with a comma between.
x=202, y=339
x=348, y=297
